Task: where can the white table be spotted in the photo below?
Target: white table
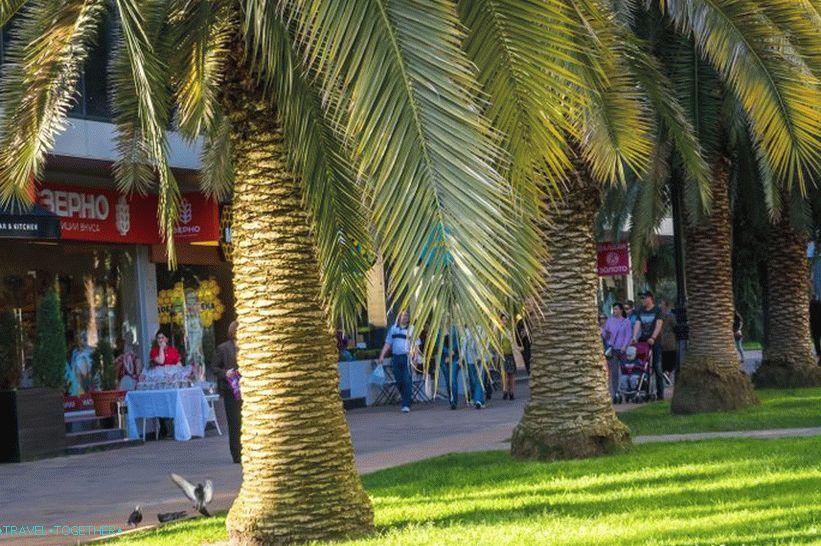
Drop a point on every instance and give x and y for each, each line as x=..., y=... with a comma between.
x=188, y=407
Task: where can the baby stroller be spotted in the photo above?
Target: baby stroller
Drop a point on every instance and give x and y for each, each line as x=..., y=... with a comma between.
x=637, y=378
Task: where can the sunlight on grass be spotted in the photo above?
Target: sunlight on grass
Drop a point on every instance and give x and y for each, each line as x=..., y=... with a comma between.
x=752, y=492
x=780, y=408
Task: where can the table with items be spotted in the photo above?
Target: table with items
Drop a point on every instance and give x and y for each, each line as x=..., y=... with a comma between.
x=187, y=406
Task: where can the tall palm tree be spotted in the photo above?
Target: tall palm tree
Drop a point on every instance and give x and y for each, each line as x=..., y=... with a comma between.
x=788, y=360
x=757, y=61
x=307, y=109
x=578, y=146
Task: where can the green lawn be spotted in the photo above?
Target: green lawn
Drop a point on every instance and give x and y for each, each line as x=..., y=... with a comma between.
x=751, y=345
x=797, y=408
x=752, y=492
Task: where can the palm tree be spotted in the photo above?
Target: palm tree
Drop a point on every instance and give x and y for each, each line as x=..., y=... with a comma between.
x=788, y=360
x=724, y=57
x=307, y=109
x=578, y=146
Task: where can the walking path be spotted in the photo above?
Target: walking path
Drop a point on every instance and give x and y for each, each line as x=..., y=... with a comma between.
x=694, y=436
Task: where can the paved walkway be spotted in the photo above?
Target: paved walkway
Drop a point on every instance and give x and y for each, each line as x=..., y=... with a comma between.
x=764, y=434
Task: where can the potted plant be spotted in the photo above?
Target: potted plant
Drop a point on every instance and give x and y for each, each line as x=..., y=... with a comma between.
x=32, y=423
x=104, y=371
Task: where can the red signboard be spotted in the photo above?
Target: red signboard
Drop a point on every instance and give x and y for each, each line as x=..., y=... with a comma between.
x=613, y=259
x=95, y=214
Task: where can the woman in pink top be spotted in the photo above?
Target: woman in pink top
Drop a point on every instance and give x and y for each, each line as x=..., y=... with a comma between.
x=617, y=335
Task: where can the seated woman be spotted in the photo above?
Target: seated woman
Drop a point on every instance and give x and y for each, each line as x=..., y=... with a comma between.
x=162, y=354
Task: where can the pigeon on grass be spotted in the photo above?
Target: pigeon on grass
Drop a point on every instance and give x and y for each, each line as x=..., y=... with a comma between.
x=135, y=517
x=165, y=517
x=199, y=494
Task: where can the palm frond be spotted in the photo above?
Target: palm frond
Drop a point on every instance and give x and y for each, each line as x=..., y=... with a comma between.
x=217, y=173
x=780, y=97
x=526, y=53
x=8, y=9
x=48, y=48
x=652, y=204
x=799, y=21
x=617, y=126
x=142, y=104
x=660, y=93
x=441, y=211
x=332, y=193
x=201, y=34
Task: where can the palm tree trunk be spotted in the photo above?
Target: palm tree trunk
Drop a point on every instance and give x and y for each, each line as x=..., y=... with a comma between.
x=570, y=413
x=788, y=356
x=299, y=479
x=711, y=378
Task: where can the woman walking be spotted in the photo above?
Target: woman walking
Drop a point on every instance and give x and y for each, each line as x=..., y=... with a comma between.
x=508, y=360
x=616, y=334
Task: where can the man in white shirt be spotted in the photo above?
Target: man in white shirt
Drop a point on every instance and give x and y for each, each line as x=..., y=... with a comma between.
x=398, y=342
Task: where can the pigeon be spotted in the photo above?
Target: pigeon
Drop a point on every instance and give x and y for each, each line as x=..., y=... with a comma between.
x=200, y=494
x=135, y=517
x=165, y=517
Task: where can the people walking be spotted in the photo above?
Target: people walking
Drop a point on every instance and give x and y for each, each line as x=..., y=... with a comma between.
x=398, y=342
x=523, y=340
x=473, y=360
x=649, y=323
x=668, y=337
x=450, y=366
x=738, y=336
x=509, y=350
x=616, y=334
x=225, y=370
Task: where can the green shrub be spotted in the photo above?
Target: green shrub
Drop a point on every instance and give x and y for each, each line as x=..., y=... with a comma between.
x=10, y=369
x=49, y=359
x=102, y=365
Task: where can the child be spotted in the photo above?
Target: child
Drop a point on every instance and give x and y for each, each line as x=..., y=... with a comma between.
x=630, y=371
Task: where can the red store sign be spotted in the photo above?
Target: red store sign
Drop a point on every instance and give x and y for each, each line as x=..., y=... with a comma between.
x=94, y=214
x=613, y=259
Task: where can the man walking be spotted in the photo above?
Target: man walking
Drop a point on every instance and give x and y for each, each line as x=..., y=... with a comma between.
x=224, y=368
x=398, y=343
x=649, y=322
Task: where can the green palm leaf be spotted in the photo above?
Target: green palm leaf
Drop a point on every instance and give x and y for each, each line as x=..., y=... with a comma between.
x=8, y=9
x=442, y=212
x=201, y=36
x=48, y=48
x=142, y=105
x=780, y=97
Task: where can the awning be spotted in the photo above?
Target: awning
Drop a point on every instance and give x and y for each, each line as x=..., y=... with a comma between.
x=34, y=222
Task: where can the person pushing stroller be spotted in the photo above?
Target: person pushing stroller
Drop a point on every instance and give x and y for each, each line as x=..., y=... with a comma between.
x=649, y=323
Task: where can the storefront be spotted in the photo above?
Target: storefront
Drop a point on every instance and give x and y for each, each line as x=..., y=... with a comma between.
x=102, y=252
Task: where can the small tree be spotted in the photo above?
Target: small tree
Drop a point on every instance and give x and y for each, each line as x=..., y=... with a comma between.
x=49, y=359
x=102, y=365
x=10, y=368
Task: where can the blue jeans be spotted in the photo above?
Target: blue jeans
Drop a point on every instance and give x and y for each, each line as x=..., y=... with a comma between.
x=477, y=388
x=404, y=382
x=451, y=374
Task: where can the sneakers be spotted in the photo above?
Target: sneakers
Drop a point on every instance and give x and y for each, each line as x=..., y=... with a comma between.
x=453, y=406
x=478, y=405
x=504, y=396
x=405, y=409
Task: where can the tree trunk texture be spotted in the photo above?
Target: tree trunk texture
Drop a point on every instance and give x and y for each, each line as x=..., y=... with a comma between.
x=299, y=479
x=711, y=378
x=788, y=355
x=570, y=413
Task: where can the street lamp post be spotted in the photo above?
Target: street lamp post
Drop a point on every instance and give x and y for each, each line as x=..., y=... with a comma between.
x=682, y=330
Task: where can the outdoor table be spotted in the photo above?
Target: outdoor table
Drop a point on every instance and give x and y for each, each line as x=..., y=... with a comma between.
x=188, y=407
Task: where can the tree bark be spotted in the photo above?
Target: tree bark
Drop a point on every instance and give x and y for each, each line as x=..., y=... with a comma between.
x=788, y=359
x=570, y=413
x=711, y=378
x=299, y=479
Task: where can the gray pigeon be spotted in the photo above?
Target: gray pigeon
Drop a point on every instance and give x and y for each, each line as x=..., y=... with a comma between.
x=165, y=517
x=200, y=494
x=135, y=517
